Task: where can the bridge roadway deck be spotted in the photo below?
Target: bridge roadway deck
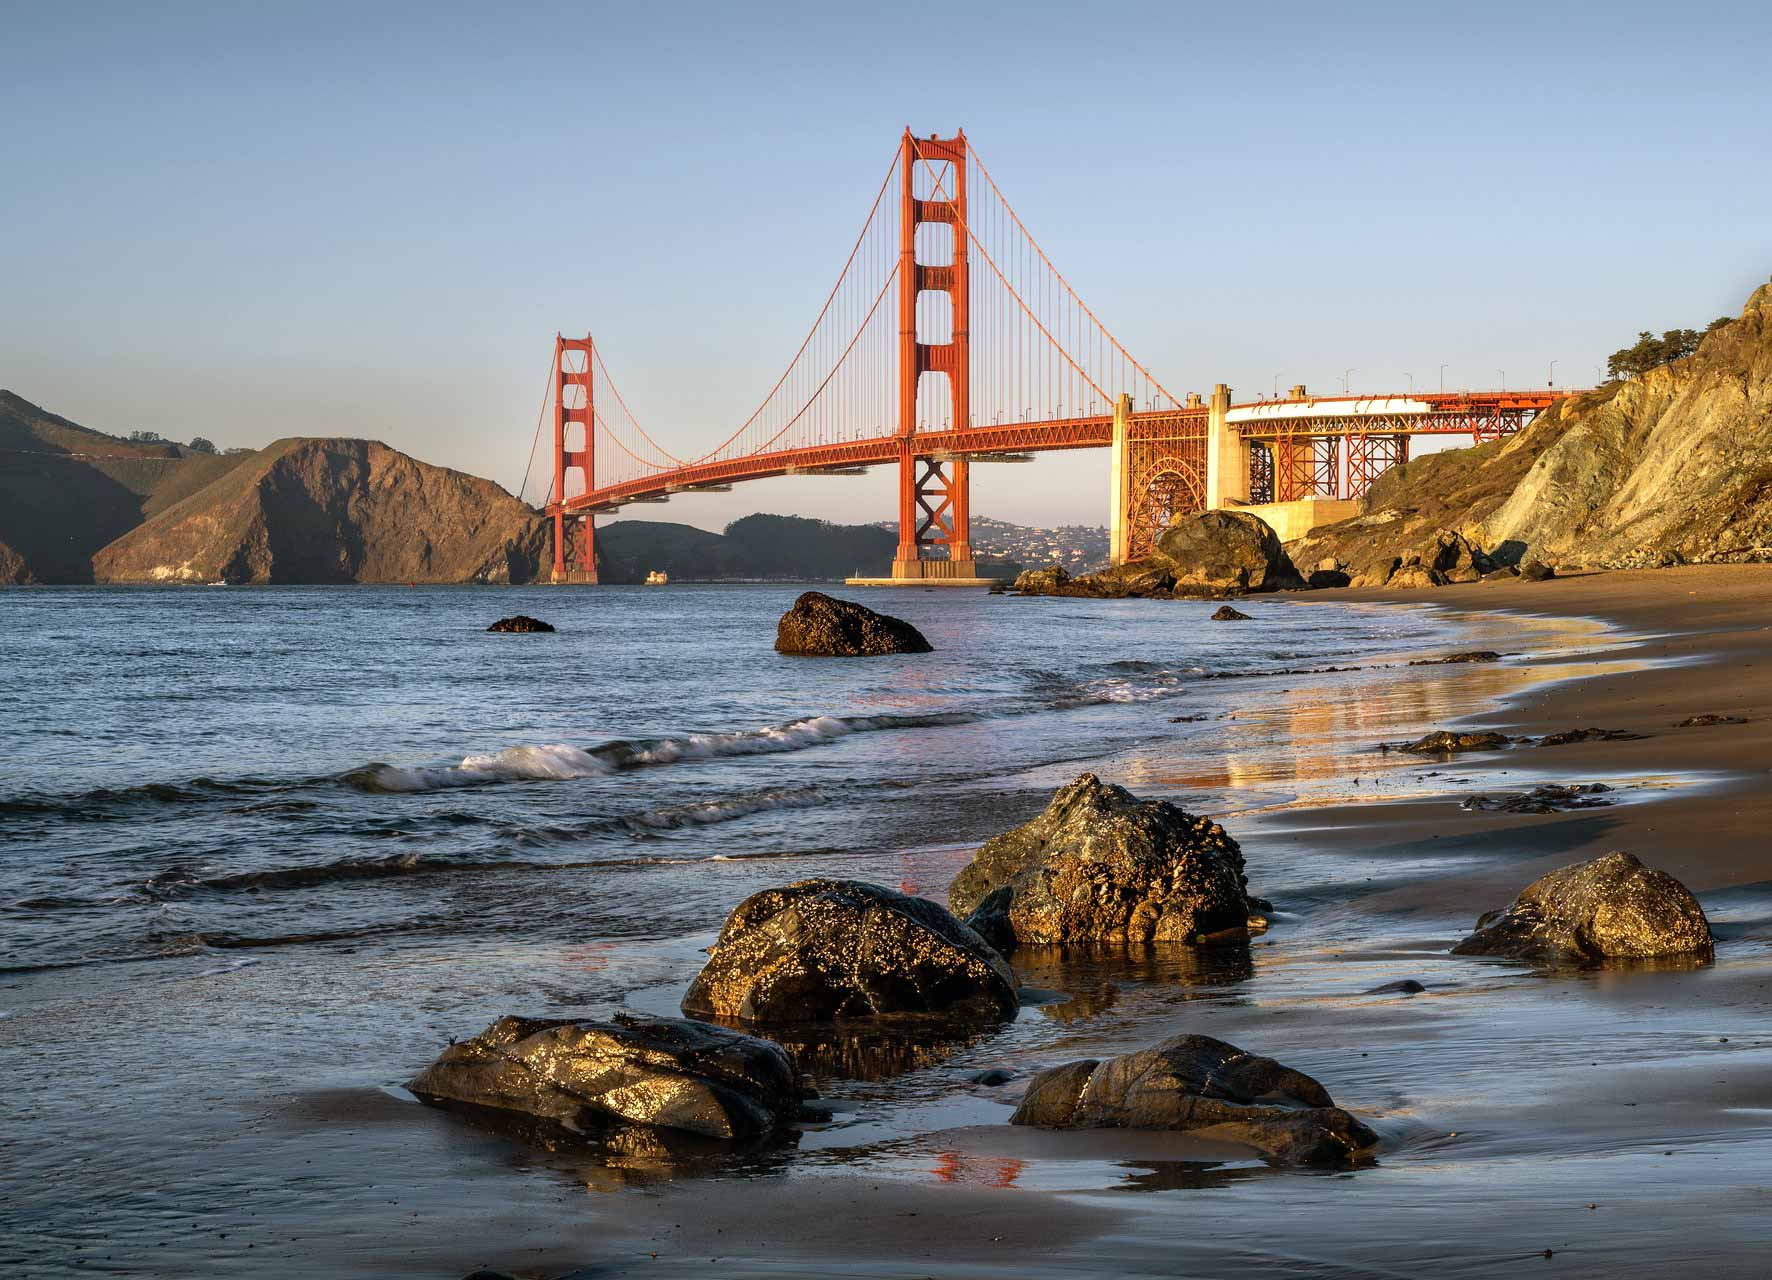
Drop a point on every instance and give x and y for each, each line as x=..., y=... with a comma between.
x=1425, y=413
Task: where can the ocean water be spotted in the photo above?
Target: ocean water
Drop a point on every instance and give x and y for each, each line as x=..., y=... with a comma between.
x=204, y=772
x=264, y=852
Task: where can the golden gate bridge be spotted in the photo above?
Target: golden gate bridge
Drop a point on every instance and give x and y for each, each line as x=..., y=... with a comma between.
x=950, y=338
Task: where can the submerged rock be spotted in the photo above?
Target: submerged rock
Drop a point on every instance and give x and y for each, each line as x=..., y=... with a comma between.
x=1101, y=865
x=1709, y=718
x=665, y=1073
x=521, y=623
x=1471, y=655
x=1567, y=736
x=1611, y=907
x=1226, y=551
x=1205, y=1086
x=823, y=949
x=1550, y=798
x=1225, y=613
x=1402, y=987
x=823, y=626
x=1443, y=742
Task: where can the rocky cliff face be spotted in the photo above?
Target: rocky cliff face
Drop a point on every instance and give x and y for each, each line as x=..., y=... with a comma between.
x=321, y=511
x=1672, y=466
x=66, y=490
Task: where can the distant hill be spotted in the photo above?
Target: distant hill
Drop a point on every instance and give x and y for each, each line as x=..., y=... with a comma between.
x=755, y=547
x=77, y=505
x=330, y=510
x=67, y=490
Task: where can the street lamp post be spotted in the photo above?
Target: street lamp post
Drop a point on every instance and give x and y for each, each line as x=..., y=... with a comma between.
x=1411, y=378
x=1346, y=377
x=1442, y=377
x=1502, y=374
x=1553, y=375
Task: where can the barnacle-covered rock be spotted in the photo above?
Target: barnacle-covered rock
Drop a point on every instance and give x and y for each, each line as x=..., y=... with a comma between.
x=1102, y=866
x=1612, y=907
x=1205, y=1086
x=825, y=949
x=664, y=1073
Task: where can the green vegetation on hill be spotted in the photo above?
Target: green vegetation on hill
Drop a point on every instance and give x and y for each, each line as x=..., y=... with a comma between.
x=1650, y=352
x=757, y=546
x=66, y=490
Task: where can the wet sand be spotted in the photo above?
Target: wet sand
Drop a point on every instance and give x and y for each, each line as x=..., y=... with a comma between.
x=1621, y=1120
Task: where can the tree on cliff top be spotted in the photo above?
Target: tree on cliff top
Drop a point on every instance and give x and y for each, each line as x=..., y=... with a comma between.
x=1651, y=352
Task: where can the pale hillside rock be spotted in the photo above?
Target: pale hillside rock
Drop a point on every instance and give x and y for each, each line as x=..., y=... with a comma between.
x=1675, y=466
x=1672, y=466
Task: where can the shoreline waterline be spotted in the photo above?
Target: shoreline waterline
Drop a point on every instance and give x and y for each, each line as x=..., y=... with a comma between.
x=925, y=1143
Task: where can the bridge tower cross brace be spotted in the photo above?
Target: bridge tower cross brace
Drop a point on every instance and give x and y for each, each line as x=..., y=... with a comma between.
x=572, y=404
x=934, y=493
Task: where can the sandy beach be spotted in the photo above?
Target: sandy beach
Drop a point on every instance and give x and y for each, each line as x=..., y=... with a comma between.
x=1587, y=1123
x=1615, y=1118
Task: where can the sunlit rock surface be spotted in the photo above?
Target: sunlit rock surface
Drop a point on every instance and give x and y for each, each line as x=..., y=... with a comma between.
x=823, y=626
x=824, y=949
x=1226, y=551
x=1101, y=865
x=1612, y=907
x=665, y=1073
x=1202, y=1085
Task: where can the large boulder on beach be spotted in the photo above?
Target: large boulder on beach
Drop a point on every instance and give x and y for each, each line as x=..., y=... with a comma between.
x=1612, y=907
x=823, y=626
x=664, y=1073
x=824, y=949
x=1041, y=582
x=1102, y=866
x=1205, y=1086
x=1226, y=551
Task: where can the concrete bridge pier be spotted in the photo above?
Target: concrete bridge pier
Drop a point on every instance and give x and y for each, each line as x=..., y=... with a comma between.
x=1227, y=455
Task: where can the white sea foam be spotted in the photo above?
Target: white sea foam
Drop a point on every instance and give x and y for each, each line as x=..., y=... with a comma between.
x=793, y=736
x=559, y=761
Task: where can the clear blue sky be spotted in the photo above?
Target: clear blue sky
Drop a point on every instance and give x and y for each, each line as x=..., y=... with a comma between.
x=248, y=221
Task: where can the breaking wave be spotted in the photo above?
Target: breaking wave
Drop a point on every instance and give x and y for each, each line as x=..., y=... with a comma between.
x=559, y=761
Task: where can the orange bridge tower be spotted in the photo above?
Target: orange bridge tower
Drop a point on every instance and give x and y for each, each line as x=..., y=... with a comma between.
x=934, y=490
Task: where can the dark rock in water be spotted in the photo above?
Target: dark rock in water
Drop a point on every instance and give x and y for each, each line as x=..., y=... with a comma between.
x=1536, y=571
x=1692, y=722
x=822, y=626
x=1406, y=987
x=1443, y=742
x=1612, y=907
x=999, y=588
x=1225, y=613
x=1226, y=551
x=822, y=949
x=1550, y=798
x=1041, y=582
x=664, y=1073
x=1473, y=655
x=1204, y=1086
x=1102, y=866
x=1587, y=735
x=520, y=623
